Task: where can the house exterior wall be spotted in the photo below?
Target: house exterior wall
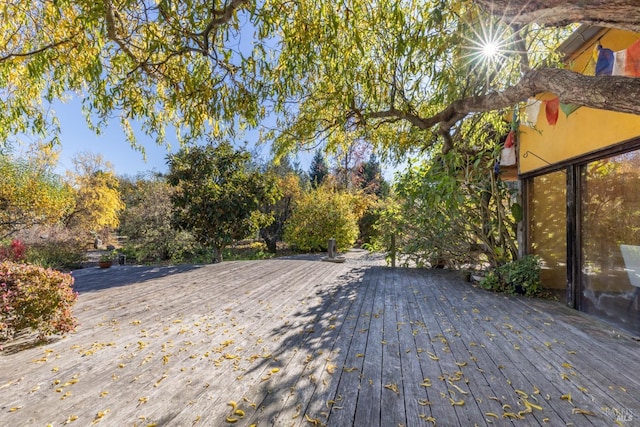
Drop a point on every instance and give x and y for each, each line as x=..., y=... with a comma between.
x=582, y=205
x=584, y=131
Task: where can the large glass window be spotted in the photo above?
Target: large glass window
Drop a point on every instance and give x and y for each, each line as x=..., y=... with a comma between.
x=547, y=213
x=610, y=239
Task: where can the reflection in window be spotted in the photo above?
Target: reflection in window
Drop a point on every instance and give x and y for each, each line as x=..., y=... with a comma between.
x=547, y=227
x=610, y=232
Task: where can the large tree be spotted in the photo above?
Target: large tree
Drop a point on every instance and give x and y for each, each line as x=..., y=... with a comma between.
x=400, y=75
x=30, y=194
x=218, y=194
x=146, y=221
x=290, y=183
x=405, y=74
x=98, y=203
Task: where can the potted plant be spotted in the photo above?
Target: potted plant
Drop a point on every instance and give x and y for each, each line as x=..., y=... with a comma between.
x=106, y=260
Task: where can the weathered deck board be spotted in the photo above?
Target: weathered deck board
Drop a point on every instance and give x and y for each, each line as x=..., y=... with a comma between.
x=296, y=342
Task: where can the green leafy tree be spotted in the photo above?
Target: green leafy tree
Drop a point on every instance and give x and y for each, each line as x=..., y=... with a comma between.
x=390, y=226
x=30, y=195
x=218, y=194
x=146, y=221
x=321, y=214
x=384, y=70
x=370, y=179
x=457, y=212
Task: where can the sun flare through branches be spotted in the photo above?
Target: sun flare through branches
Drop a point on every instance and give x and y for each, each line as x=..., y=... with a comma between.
x=489, y=45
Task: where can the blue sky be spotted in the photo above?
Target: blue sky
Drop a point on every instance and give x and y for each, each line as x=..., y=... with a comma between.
x=76, y=137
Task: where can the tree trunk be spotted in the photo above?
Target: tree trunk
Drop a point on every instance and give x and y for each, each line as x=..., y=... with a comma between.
x=270, y=237
x=217, y=254
x=272, y=244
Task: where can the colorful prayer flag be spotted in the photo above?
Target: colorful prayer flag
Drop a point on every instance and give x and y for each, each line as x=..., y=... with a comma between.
x=551, y=108
x=531, y=112
x=590, y=69
x=627, y=62
x=567, y=109
x=619, y=63
x=632, y=66
x=604, y=66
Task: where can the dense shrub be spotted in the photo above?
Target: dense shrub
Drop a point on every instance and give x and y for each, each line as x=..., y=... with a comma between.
x=36, y=299
x=455, y=212
x=521, y=276
x=56, y=254
x=322, y=214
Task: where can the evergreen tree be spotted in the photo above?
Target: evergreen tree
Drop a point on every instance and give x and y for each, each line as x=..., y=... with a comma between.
x=319, y=170
x=370, y=177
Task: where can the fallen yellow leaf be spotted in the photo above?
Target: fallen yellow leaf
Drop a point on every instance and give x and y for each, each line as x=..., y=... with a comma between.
x=429, y=419
x=582, y=411
x=392, y=387
x=457, y=388
x=314, y=421
x=512, y=415
x=530, y=405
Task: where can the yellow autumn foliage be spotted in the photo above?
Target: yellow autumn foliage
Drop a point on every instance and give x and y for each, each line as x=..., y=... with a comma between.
x=321, y=214
x=30, y=195
x=97, y=195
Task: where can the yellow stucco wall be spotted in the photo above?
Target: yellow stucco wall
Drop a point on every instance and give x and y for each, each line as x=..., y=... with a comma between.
x=586, y=129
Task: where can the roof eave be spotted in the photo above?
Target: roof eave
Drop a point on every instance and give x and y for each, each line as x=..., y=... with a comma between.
x=578, y=39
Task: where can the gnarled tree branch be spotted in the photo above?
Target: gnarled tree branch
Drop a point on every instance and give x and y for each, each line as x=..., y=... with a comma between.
x=623, y=14
x=569, y=86
x=221, y=17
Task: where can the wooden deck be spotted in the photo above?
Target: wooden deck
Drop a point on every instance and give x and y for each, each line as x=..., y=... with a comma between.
x=298, y=342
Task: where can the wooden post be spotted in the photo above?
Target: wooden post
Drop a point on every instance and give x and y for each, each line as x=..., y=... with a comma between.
x=332, y=252
x=331, y=248
x=393, y=250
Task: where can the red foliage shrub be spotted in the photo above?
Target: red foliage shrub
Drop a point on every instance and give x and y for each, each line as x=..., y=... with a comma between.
x=35, y=298
x=15, y=251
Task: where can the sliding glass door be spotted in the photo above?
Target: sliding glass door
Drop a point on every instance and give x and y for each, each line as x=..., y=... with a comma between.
x=609, y=212
x=547, y=219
